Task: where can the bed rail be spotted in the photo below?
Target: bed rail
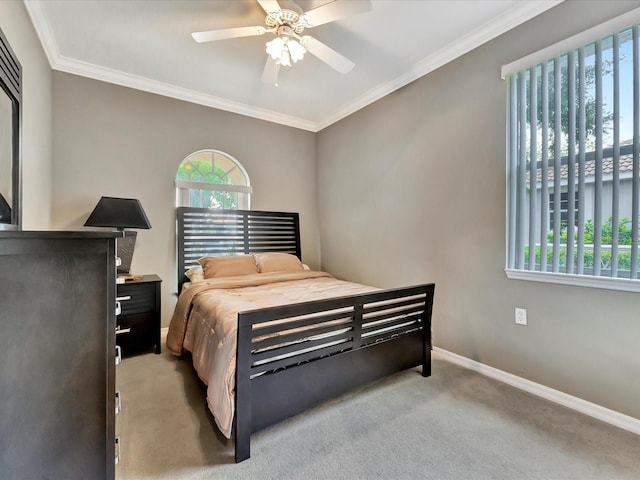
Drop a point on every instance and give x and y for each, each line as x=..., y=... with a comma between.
x=344, y=343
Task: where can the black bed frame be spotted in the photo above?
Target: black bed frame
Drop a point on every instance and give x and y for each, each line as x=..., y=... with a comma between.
x=354, y=340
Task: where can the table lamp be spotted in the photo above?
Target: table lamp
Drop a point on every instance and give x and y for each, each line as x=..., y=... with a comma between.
x=120, y=213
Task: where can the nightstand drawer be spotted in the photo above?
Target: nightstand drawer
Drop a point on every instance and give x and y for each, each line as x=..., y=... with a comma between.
x=143, y=298
x=135, y=332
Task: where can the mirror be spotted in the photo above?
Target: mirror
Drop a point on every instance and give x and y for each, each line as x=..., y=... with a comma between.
x=10, y=122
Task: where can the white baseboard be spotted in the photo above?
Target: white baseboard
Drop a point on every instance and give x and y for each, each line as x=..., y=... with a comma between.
x=612, y=417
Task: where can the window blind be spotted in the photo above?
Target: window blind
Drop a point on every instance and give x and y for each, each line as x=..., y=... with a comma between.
x=574, y=134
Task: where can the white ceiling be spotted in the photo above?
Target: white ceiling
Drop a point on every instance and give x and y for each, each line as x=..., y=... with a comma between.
x=146, y=44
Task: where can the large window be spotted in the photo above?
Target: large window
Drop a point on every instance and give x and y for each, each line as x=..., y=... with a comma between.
x=573, y=163
x=212, y=179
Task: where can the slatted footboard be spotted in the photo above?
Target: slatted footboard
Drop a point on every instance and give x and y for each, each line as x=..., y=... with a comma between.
x=293, y=357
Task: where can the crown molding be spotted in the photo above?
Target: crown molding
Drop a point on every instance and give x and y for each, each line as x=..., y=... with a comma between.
x=85, y=69
x=43, y=30
x=510, y=19
x=117, y=77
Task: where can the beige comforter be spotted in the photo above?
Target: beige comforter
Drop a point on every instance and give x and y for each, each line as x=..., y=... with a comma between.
x=205, y=323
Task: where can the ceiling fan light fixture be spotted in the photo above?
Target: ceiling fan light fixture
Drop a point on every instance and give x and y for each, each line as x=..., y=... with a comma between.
x=285, y=58
x=287, y=25
x=284, y=49
x=296, y=50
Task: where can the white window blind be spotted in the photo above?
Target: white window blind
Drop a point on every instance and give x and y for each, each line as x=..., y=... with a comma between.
x=573, y=161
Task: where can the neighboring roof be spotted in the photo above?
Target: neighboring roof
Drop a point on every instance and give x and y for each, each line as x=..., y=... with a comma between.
x=625, y=166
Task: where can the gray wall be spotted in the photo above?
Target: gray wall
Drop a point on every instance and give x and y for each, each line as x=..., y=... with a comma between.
x=115, y=141
x=36, y=115
x=412, y=189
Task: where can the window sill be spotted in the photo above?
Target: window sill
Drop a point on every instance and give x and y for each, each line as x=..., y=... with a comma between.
x=621, y=284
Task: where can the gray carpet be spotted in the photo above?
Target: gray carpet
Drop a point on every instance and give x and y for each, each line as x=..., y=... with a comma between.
x=455, y=425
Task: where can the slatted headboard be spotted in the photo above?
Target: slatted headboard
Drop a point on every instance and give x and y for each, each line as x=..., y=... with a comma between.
x=211, y=232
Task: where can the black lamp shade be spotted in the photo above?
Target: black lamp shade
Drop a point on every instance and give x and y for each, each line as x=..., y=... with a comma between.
x=118, y=213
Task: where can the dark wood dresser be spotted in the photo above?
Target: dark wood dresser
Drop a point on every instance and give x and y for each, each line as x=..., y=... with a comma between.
x=57, y=355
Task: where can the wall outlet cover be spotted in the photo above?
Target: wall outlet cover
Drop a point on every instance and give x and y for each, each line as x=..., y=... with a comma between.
x=521, y=316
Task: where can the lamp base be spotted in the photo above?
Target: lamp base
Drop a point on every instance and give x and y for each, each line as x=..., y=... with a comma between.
x=125, y=246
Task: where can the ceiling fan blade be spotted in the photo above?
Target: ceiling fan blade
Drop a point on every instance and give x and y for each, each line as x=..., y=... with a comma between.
x=335, y=11
x=327, y=54
x=225, y=33
x=270, y=72
x=269, y=6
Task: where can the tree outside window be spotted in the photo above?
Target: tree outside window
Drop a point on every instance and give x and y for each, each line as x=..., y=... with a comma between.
x=212, y=179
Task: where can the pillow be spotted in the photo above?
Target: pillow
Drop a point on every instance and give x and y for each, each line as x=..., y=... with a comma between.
x=195, y=274
x=231, y=266
x=277, y=262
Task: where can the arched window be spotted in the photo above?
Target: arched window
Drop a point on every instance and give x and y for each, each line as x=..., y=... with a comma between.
x=212, y=179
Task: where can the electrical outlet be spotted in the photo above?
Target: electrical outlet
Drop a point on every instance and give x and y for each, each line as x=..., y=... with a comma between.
x=521, y=316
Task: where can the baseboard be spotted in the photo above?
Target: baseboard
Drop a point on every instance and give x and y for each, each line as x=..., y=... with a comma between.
x=612, y=417
x=164, y=331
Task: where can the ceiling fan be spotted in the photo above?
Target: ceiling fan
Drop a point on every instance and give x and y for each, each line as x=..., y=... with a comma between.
x=287, y=25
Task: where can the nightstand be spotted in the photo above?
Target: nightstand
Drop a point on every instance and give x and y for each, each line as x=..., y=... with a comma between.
x=138, y=325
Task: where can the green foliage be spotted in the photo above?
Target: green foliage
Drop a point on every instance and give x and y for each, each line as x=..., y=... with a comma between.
x=203, y=171
x=624, y=232
x=589, y=113
x=624, y=238
x=624, y=258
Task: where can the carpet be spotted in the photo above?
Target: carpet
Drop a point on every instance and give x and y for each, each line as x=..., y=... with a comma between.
x=457, y=424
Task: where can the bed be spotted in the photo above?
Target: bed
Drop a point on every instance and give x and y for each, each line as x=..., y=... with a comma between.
x=280, y=339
